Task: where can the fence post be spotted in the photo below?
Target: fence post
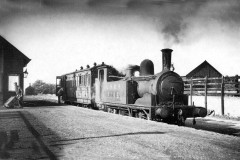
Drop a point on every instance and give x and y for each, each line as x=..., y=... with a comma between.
x=206, y=80
x=222, y=96
x=236, y=85
x=191, y=91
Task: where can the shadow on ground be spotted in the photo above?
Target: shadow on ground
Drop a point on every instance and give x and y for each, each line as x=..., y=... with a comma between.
x=40, y=100
x=39, y=103
x=115, y=135
x=215, y=126
x=21, y=137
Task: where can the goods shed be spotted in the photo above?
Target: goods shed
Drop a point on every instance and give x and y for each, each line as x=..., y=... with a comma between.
x=203, y=70
x=12, y=63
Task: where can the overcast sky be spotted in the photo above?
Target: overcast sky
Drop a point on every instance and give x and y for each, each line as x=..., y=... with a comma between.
x=62, y=35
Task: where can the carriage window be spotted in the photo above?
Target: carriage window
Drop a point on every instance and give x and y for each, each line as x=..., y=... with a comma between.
x=86, y=79
x=89, y=79
x=76, y=80
x=73, y=81
x=80, y=78
x=58, y=81
x=101, y=75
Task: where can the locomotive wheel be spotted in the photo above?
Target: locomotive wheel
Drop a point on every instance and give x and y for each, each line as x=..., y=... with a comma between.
x=89, y=106
x=110, y=110
x=136, y=115
x=181, y=121
x=142, y=115
x=66, y=102
x=94, y=106
x=169, y=120
x=180, y=118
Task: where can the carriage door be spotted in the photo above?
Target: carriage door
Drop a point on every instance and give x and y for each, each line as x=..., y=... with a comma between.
x=58, y=83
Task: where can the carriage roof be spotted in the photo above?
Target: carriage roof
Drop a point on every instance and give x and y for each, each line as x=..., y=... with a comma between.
x=89, y=69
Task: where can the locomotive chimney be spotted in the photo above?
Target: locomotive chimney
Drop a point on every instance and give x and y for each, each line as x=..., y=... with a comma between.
x=166, y=58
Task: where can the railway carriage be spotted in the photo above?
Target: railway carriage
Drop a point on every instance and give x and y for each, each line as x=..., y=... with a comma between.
x=78, y=86
x=151, y=96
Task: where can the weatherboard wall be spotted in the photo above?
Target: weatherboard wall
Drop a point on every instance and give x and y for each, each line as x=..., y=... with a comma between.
x=1, y=77
x=12, y=62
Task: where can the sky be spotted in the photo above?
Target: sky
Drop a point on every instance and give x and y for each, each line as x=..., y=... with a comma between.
x=60, y=36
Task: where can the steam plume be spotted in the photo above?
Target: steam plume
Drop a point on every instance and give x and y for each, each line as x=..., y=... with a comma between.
x=173, y=18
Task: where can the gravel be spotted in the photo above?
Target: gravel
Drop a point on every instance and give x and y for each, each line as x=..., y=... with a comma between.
x=70, y=132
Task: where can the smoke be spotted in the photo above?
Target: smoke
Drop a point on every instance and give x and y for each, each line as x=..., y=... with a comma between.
x=224, y=12
x=130, y=66
x=133, y=67
x=180, y=20
x=94, y=3
x=174, y=19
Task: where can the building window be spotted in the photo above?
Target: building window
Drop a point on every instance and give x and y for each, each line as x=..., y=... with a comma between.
x=12, y=79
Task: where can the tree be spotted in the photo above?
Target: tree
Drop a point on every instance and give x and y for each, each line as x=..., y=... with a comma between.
x=38, y=85
x=43, y=88
x=30, y=90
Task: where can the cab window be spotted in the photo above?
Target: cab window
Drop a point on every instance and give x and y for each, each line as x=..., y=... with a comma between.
x=101, y=75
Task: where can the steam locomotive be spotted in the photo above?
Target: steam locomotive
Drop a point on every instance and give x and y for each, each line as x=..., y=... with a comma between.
x=158, y=97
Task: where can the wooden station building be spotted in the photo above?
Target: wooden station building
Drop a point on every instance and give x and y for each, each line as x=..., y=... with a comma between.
x=203, y=70
x=12, y=63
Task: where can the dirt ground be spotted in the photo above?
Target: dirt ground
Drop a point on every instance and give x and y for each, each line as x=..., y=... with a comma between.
x=49, y=131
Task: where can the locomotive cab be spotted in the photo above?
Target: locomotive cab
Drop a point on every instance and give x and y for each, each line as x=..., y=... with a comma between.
x=102, y=74
x=100, y=81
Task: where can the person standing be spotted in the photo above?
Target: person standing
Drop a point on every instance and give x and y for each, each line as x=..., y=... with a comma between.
x=19, y=95
x=59, y=94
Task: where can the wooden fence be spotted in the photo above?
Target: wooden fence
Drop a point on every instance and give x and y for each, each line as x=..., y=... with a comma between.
x=223, y=86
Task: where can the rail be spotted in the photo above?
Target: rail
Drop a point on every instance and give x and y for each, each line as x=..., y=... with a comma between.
x=222, y=86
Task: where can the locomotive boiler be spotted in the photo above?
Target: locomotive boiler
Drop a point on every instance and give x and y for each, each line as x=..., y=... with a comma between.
x=151, y=96
x=165, y=91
